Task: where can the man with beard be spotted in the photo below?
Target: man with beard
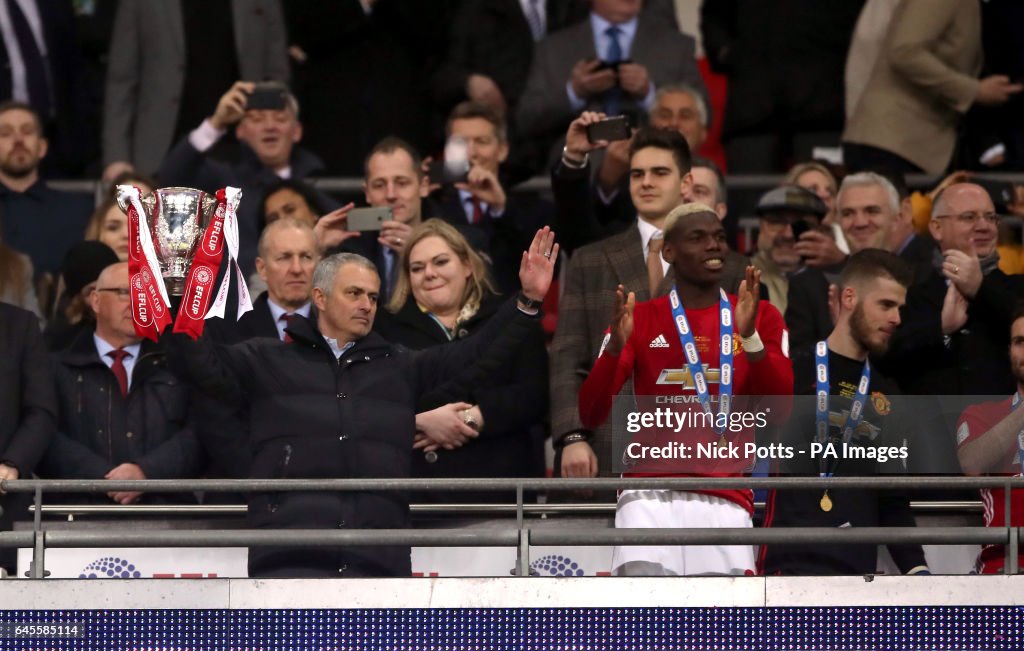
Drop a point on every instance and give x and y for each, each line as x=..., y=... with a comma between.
x=36, y=219
x=989, y=441
x=872, y=289
x=695, y=325
x=783, y=212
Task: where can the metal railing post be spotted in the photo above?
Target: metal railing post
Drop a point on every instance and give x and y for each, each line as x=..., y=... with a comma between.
x=37, y=568
x=523, y=553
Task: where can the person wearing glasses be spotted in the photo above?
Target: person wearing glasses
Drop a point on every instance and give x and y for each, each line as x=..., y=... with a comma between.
x=956, y=324
x=121, y=414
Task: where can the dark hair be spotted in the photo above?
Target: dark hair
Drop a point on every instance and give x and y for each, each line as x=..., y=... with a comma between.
x=389, y=145
x=871, y=264
x=300, y=188
x=470, y=110
x=669, y=140
x=700, y=161
x=1018, y=312
x=15, y=105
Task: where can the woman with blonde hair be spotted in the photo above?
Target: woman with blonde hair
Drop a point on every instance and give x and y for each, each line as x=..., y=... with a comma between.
x=490, y=425
x=820, y=180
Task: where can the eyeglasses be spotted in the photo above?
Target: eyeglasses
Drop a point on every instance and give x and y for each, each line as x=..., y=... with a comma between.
x=972, y=217
x=122, y=292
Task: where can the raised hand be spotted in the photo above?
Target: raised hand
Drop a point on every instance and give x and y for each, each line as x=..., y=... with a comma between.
x=954, y=310
x=963, y=269
x=748, y=298
x=577, y=145
x=622, y=320
x=538, y=265
x=231, y=106
x=332, y=229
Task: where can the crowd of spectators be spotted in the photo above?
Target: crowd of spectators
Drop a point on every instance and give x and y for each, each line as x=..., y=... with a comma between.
x=442, y=109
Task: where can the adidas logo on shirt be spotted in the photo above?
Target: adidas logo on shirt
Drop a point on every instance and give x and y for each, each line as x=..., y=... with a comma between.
x=659, y=342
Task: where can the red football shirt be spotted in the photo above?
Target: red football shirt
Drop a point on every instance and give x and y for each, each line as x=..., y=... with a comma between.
x=653, y=357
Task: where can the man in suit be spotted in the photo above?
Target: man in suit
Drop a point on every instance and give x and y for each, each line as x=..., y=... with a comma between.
x=394, y=179
x=40, y=66
x=170, y=61
x=869, y=212
x=923, y=82
x=287, y=255
x=269, y=138
x=491, y=46
x=497, y=224
x=614, y=62
x=660, y=180
x=28, y=406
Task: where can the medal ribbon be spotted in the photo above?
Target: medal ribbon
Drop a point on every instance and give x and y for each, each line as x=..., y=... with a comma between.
x=725, y=333
x=822, y=391
x=151, y=309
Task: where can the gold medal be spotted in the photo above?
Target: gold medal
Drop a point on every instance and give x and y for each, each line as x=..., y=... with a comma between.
x=826, y=502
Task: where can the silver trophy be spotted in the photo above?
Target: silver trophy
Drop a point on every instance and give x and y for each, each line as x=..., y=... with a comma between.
x=176, y=218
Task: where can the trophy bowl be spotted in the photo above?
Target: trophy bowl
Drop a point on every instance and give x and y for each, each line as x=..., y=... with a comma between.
x=176, y=218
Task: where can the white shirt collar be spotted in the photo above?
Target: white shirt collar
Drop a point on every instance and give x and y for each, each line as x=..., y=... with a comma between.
x=647, y=231
x=102, y=347
x=276, y=310
x=338, y=350
x=600, y=26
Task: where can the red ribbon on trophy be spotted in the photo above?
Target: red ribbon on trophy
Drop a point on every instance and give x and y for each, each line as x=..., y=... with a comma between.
x=199, y=286
x=151, y=309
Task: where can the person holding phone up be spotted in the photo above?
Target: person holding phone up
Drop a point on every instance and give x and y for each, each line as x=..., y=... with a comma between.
x=265, y=117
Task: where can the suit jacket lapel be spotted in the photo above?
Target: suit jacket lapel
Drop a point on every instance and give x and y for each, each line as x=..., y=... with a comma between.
x=625, y=255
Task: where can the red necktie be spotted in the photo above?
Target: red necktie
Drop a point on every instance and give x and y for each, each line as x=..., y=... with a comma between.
x=286, y=338
x=118, y=368
x=478, y=213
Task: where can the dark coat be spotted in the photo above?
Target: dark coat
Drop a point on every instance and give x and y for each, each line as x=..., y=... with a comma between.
x=807, y=314
x=28, y=408
x=184, y=165
x=98, y=429
x=971, y=361
x=514, y=402
x=259, y=322
x=315, y=416
x=492, y=37
x=785, y=61
x=501, y=239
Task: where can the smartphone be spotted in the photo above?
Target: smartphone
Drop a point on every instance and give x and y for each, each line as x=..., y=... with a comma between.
x=268, y=95
x=612, y=65
x=368, y=219
x=799, y=228
x=609, y=129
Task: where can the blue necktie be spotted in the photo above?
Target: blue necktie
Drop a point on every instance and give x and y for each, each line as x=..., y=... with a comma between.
x=613, y=96
x=535, y=20
x=36, y=77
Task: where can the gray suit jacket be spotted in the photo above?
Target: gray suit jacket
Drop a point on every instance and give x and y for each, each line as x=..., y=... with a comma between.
x=667, y=54
x=147, y=72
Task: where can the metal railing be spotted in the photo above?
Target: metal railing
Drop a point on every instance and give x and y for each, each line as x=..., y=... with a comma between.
x=521, y=536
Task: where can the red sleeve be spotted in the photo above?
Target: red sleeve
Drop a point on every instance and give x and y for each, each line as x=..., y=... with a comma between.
x=610, y=372
x=773, y=374
x=973, y=424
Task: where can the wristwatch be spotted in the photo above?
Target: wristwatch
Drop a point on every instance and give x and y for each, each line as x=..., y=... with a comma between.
x=528, y=303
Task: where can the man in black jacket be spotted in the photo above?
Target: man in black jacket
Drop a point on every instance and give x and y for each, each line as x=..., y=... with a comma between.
x=268, y=154
x=339, y=401
x=27, y=406
x=122, y=413
x=873, y=287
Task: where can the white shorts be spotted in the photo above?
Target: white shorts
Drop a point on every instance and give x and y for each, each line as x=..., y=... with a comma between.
x=640, y=509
